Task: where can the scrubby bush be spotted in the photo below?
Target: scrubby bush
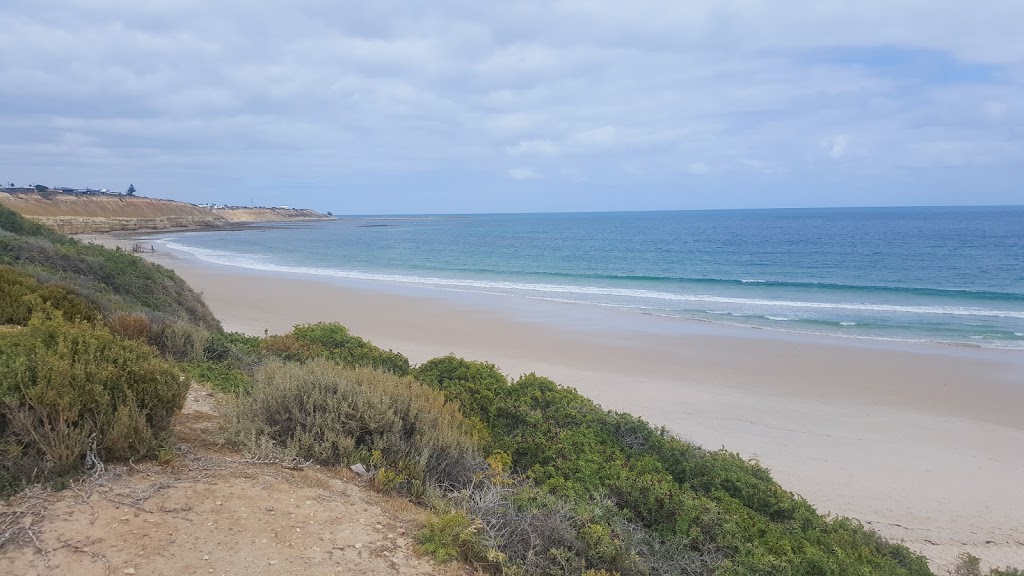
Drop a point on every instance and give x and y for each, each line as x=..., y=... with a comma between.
x=289, y=348
x=180, y=341
x=15, y=223
x=476, y=386
x=131, y=327
x=113, y=281
x=177, y=341
x=968, y=564
x=334, y=415
x=21, y=295
x=339, y=345
x=712, y=510
x=71, y=387
x=234, y=348
x=219, y=376
x=453, y=536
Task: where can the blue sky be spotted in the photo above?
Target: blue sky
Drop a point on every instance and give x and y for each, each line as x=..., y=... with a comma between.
x=459, y=106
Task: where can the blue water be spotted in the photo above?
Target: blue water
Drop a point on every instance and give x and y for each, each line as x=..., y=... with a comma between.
x=952, y=275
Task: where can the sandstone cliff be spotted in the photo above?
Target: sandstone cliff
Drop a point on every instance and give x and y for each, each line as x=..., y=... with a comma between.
x=74, y=214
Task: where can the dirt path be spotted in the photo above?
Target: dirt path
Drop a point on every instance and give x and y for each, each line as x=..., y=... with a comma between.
x=210, y=512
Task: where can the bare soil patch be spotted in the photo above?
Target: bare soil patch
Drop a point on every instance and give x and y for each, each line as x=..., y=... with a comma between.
x=209, y=511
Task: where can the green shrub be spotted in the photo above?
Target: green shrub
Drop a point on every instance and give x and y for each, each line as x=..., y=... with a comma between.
x=113, y=281
x=219, y=376
x=711, y=511
x=340, y=346
x=68, y=388
x=21, y=295
x=180, y=341
x=234, y=348
x=968, y=564
x=333, y=415
x=15, y=223
x=289, y=348
x=476, y=386
x=453, y=536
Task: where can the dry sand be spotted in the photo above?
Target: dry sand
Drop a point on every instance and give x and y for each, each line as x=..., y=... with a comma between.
x=923, y=443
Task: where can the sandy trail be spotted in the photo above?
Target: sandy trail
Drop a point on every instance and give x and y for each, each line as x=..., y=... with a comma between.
x=208, y=512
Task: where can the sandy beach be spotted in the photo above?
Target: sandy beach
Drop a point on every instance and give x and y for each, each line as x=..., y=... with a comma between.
x=921, y=442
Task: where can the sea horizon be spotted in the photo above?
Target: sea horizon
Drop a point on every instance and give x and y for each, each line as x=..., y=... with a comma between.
x=338, y=216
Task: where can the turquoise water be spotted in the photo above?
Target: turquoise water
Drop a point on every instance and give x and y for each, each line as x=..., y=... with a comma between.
x=951, y=275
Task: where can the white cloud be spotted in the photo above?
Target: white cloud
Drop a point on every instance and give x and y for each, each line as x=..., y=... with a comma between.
x=698, y=168
x=835, y=146
x=534, y=147
x=522, y=174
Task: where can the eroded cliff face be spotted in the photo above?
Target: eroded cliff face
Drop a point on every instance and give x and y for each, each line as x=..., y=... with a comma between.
x=73, y=214
x=267, y=214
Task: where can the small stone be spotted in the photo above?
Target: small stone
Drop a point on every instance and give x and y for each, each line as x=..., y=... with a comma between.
x=272, y=562
x=359, y=545
x=206, y=557
x=268, y=508
x=378, y=526
x=218, y=502
x=129, y=570
x=123, y=518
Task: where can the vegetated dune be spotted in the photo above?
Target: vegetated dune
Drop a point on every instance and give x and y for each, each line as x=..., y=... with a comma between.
x=74, y=214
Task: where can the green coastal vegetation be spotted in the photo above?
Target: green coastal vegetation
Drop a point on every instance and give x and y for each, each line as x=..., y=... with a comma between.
x=525, y=477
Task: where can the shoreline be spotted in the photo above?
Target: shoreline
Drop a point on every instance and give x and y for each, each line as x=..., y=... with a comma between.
x=919, y=443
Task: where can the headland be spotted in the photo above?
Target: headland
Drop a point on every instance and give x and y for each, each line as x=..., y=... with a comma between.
x=78, y=213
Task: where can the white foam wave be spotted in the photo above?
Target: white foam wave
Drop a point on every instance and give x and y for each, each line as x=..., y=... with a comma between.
x=260, y=263
x=778, y=318
x=847, y=323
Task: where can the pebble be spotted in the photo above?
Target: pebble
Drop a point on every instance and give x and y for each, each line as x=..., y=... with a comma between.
x=359, y=545
x=129, y=570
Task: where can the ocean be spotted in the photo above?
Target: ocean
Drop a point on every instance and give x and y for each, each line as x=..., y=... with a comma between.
x=946, y=274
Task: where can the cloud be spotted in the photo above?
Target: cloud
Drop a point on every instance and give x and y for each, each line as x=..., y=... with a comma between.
x=180, y=95
x=698, y=168
x=522, y=174
x=835, y=146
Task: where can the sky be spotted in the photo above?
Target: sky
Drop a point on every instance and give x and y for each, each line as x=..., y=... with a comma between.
x=459, y=106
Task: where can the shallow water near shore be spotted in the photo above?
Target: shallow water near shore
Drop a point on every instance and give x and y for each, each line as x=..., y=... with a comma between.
x=950, y=275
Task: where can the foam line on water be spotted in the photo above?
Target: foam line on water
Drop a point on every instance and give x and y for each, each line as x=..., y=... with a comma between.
x=258, y=263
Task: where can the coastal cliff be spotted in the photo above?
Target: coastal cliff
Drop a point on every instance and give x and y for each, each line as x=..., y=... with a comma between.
x=78, y=214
